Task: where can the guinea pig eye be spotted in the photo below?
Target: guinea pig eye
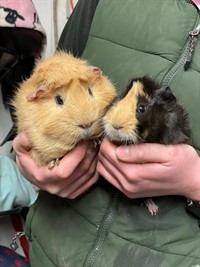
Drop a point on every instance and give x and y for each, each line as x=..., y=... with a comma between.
x=59, y=100
x=90, y=91
x=141, y=108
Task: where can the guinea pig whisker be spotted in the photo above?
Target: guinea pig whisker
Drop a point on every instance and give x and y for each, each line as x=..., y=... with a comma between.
x=103, y=134
x=140, y=139
x=137, y=138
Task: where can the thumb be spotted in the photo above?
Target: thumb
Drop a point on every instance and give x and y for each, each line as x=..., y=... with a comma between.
x=144, y=153
x=21, y=143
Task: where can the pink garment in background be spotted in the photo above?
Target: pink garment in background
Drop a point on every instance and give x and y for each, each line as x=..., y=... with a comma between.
x=19, y=13
x=197, y=3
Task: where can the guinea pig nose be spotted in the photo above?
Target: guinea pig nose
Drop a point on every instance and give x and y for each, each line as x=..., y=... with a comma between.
x=117, y=126
x=85, y=125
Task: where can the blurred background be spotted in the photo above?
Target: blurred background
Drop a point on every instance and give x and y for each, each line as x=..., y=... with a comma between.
x=53, y=15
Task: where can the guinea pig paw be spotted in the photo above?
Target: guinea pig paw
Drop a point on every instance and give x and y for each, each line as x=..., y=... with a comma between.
x=152, y=207
x=97, y=142
x=53, y=163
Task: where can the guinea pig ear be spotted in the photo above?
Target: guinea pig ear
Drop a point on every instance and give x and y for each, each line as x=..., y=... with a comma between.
x=34, y=95
x=166, y=94
x=96, y=70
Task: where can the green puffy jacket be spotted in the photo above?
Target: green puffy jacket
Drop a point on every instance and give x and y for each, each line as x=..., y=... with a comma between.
x=103, y=228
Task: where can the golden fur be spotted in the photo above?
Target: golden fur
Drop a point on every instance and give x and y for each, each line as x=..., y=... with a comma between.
x=54, y=129
x=120, y=121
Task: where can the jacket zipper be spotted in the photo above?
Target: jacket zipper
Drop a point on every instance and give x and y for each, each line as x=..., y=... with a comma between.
x=184, y=60
x=186, y=57
x=103, y=231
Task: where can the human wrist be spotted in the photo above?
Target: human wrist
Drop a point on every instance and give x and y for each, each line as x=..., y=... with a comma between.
x=195, y=192
x=193, y=202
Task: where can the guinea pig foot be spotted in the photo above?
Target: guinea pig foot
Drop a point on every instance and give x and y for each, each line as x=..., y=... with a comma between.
x=97, y=142
x=152, y=207
x=53, y=163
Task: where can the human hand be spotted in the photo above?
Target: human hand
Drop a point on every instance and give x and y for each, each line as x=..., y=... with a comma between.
x=147, y=170
x=75, y=174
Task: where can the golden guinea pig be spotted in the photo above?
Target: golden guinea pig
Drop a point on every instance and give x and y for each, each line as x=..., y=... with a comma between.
x=60, y=105
x=146, y=112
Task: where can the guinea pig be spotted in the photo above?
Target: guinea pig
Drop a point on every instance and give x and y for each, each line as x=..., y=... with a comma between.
x=60, y=105
x=146, y=113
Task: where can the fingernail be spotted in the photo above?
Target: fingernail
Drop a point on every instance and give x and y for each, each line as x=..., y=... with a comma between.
x=122, y=152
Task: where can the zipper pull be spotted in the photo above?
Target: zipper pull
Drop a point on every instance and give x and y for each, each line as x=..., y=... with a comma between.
x=194, y=38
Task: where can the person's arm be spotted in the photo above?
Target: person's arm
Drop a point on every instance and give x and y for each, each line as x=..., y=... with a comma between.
x=148, y=170
x=75, y=174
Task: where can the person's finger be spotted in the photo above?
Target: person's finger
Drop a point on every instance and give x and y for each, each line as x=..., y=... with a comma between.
x=131, y=172
x=27, y=174
x=21, y=143
x=84, y=187
x=69, y=187
x=73, y=159
x=22, y=146
x=140, y=153
x=112, y=173
x=146, y=153
x=86, y=168
x=108, y=175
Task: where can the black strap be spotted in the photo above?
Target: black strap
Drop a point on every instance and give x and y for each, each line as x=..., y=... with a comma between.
x=75, y=33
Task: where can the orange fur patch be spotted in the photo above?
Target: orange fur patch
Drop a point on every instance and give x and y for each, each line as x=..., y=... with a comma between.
x=55, y=129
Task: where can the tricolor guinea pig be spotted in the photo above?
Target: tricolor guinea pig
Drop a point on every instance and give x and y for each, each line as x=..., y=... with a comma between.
x=61, y=104
x=146, y=112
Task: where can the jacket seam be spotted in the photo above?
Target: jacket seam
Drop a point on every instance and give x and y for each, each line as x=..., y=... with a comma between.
x=38, y=243
x=156, y=250
x=131, y=48
x=76, y=210
x=135, y=49
x=134, y=242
